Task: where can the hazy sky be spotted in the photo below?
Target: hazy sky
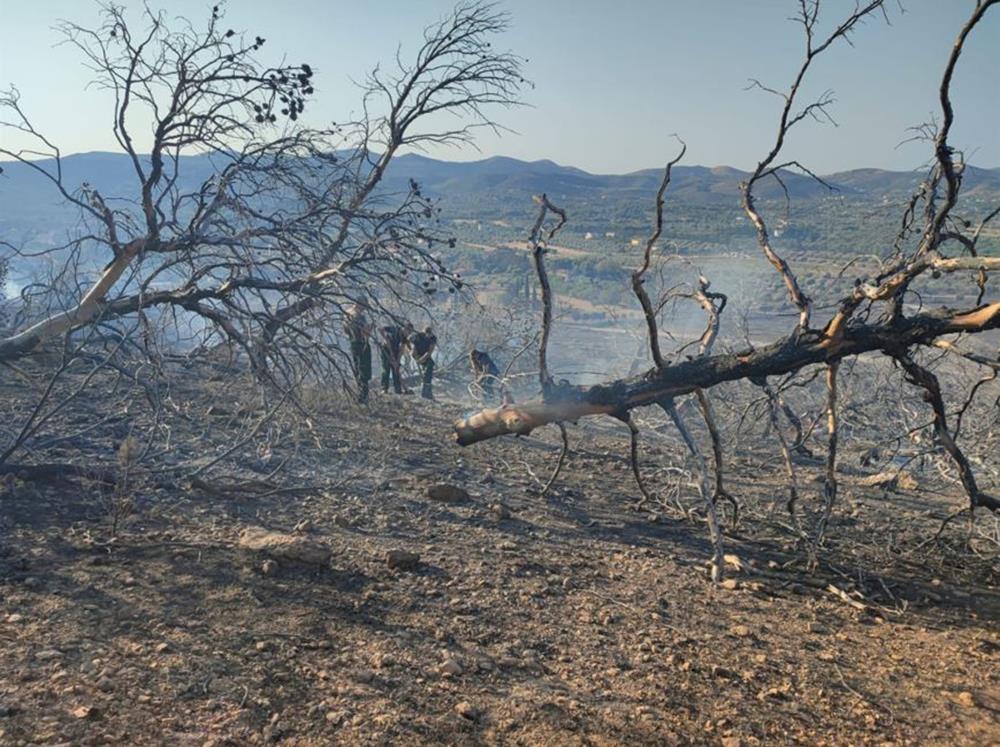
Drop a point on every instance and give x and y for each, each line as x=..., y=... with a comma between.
x=612, y=79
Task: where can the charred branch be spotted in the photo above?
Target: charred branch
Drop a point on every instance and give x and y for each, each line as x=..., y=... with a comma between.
x=537, y=242
x=717, y=564
x=638, y=277
x=926, y=380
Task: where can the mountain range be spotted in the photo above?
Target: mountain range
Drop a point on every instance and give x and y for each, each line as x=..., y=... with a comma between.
x=689, y=184
x=486, y=188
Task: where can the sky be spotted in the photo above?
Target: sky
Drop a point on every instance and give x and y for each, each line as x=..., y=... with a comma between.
x=613, y=79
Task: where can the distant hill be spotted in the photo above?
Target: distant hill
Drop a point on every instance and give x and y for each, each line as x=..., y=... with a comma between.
x=492, y=188
x=21, y=189
x=690, y=184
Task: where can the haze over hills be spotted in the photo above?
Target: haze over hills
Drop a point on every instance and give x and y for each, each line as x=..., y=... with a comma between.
x=689, y=183
x=704, y=208
x=24, y=193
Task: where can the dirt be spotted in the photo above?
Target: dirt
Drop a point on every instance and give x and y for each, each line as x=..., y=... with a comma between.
x=512, y=618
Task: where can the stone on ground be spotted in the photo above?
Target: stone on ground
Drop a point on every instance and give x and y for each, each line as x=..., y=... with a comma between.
x=283, y=546
x=402, y=560
x=447, y=493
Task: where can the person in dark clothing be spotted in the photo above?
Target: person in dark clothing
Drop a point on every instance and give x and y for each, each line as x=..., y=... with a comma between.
x=358, y=330
x=485, y=371
x=422, y=348
x=391, y=342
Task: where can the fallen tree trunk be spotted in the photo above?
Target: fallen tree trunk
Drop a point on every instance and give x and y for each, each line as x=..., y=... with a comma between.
x=81, y=314
x=787, y=355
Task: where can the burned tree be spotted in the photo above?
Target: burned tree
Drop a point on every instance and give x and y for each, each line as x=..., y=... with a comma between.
x=257, y=261
x=855, y=328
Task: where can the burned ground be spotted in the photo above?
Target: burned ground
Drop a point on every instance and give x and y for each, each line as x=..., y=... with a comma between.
x=572, y=618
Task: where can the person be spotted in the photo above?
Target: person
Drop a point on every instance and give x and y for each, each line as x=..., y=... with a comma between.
x=485, y=371
x=422, y=349
x=358, y=330
x=392, y=340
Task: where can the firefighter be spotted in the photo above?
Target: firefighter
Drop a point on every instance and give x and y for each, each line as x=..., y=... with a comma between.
x=422, y=346
x=485, y=371
x=358, y=330
x=392, y=342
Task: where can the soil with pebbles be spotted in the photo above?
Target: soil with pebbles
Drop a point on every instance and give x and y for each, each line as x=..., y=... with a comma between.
x=502, y=618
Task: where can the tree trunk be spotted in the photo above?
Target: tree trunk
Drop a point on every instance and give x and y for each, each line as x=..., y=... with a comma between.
x=785, y=356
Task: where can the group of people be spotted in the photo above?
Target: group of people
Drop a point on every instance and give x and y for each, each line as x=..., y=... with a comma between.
x=393, y=341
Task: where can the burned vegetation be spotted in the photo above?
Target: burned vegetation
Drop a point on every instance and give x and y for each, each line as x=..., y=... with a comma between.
x=207, y=539
x=876, y=317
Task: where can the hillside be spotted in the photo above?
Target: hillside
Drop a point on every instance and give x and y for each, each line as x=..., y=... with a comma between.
x=571, y=619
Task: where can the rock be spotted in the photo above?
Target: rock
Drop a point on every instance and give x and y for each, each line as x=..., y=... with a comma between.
x=500, y=510
x=7, y=711
x=450, y=668
x=882, y=479
x=334, y=717
x=269, y=567
x=48, y=654
x=161, y=648
x=733, y=742
x=722, y=673
x=285, y=546
x=15, y=617
x=966, y=699
x=890, y=481
x=447, y=493
x=89, y=713
x=741, y=631
x=816, y=628
x=731, y=584
x=734, y=561
x=402, y=560
x=776, y=693
x=33, y=583
x=105, y=684
x=465, y=710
